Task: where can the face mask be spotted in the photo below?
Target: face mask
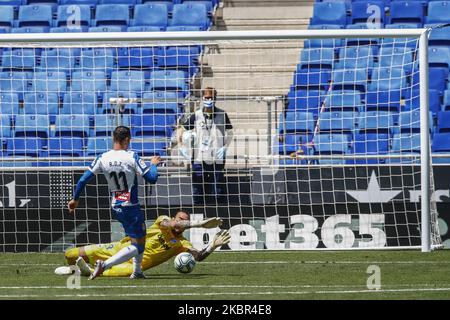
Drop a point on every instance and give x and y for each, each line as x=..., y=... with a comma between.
x=208, y=103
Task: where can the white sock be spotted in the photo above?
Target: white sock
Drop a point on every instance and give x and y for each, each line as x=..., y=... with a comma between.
x=137, y=260
x=123, y=255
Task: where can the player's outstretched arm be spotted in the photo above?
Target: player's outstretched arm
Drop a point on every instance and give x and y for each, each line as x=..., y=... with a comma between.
x=221, y=238
x=150, y=174
x=85, y=178
x=181, y=225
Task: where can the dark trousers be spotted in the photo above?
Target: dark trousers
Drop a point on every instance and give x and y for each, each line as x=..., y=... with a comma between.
x=208, y=183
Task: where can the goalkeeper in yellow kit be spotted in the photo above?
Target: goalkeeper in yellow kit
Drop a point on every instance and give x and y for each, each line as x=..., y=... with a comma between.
x=164, y=240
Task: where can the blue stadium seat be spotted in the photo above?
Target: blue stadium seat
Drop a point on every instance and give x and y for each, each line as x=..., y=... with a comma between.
x=438, y=12
x=316, y=58
x=384, y=93
x=338, y=122
x=65, y=147
x=297, y=122
x=179, y=58
x=30, y=30
x=163, y=96
x=19, y=59
x=128, y=108
x=144, y=29
x=325, y=26
x=446, y=104
x=334, y=13
x=6, y=16
x=67, y=14
x=97, y=59
x=345, y=100
x=194, y=14
x=408, y=122
x=208, y=4
x=107, y=29
x=91, y=3
x=439, y=57
x=361, y=41
x=371, y=143
x=136, y=58
x=357, y=57
x=55, y=82
x=397, y=57
x=5, y=128
x=305, y=100
x=441, y=143
x=128, y=2
x=75, y=125
x=363, y=10
x=148, y=148
x=153, y=124
x=15, y=82
x=413, y=102
x=155, y=15
x=312, y=79
x=439, y=36
x=41, y=103
x=168, y=3
x=376, y=122
x=32, y=126
x=26, y=147
x=158, y=106
x=14, y=3
x=106, y=123
x=443, y=122
x=354, y=79
x=322, y=43
x=130, y=80
x=67, y=29
x=97, y=146
x=35, y=15
x=171, y=80
x=406, y=12
x=79, y=103
x=9, y=103
x=406, y=143
x=184, y=28
x=87, y=81
x=111, y=15
x=328, y=144
x=437, y=77
x=59, y=59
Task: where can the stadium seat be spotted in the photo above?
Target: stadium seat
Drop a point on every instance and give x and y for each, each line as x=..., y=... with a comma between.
x=58, y=59
x=328, y=144
x=91, y=3
x=439, y=57
x=32, y=126
x=79, y=103
x=438, y=12
x=406, y=143
x=171, y=80
x=9, y=103
x=68, y=30
x=361, y=41
x=26, y=147
x=305, y=100
x=41, y=103
x=363, y=10
x=322, y=43
x=144, y=29
x=141, y=58
x=446, y=104
x=128, y=2
x=297, y=122
x=406, y=12
x=111, y=15
x=408, y=122
x=163, y=96
x=437, y=77
x=443, y=122
x=370, y=143
x=194, y=14
x=184, y=28
x=14, y=82
x=312, y=79
x=75, y=125
x=345, y=100
x=384, y=93
x=127, y=81
x=30, y=30
x=316, y=58
x=375, y=122
x=52, y=82
x=5, y=128
x=6, y=16
x=356, y=57
x=153, y=124
x=65, y=147
x=107, y=29
x=397, y=57
x=67, y=14
x=35, y=15
x=168, y=3
x=441, y=143
x=158, y=106
x=338, y=122
x=148, y=148
x=334, y=13
x=128, y=108
x=439, y=36
x=353, y=79
x=155, y=15
x=14, y=3
x=97, y=59
x=19, y=59
x=179, y=58
x=88, y=81
x=97, y=146
x=434, y=103
x=106, y=123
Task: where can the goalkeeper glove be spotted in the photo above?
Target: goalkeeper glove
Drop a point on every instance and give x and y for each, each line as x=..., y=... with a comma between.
x=222, y=237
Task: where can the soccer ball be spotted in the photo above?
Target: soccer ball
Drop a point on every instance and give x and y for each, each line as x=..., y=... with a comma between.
x=184, y=262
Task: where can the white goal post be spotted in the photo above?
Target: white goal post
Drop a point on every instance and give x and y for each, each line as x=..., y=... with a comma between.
x=245, y=234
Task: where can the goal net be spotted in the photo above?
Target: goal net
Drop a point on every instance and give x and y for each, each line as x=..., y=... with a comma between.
x=317, y=139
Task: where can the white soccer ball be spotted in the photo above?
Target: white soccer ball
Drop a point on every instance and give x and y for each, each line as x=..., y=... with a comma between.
x=184, y=262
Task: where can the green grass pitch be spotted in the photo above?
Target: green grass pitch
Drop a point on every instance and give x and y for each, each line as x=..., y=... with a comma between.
x=249, y=275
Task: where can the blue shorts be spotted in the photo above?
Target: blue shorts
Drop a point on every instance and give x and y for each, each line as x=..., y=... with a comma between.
x=132, y=220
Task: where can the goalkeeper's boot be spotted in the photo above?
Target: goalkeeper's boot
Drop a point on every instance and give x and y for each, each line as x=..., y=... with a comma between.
x=138, y=275
x=84, y=268
x=99, y=268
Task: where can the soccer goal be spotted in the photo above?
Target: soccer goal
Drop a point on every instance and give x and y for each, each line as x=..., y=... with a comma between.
x=319, y=139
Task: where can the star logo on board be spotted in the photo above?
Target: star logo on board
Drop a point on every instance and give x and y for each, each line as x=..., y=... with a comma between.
x=373, y=193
